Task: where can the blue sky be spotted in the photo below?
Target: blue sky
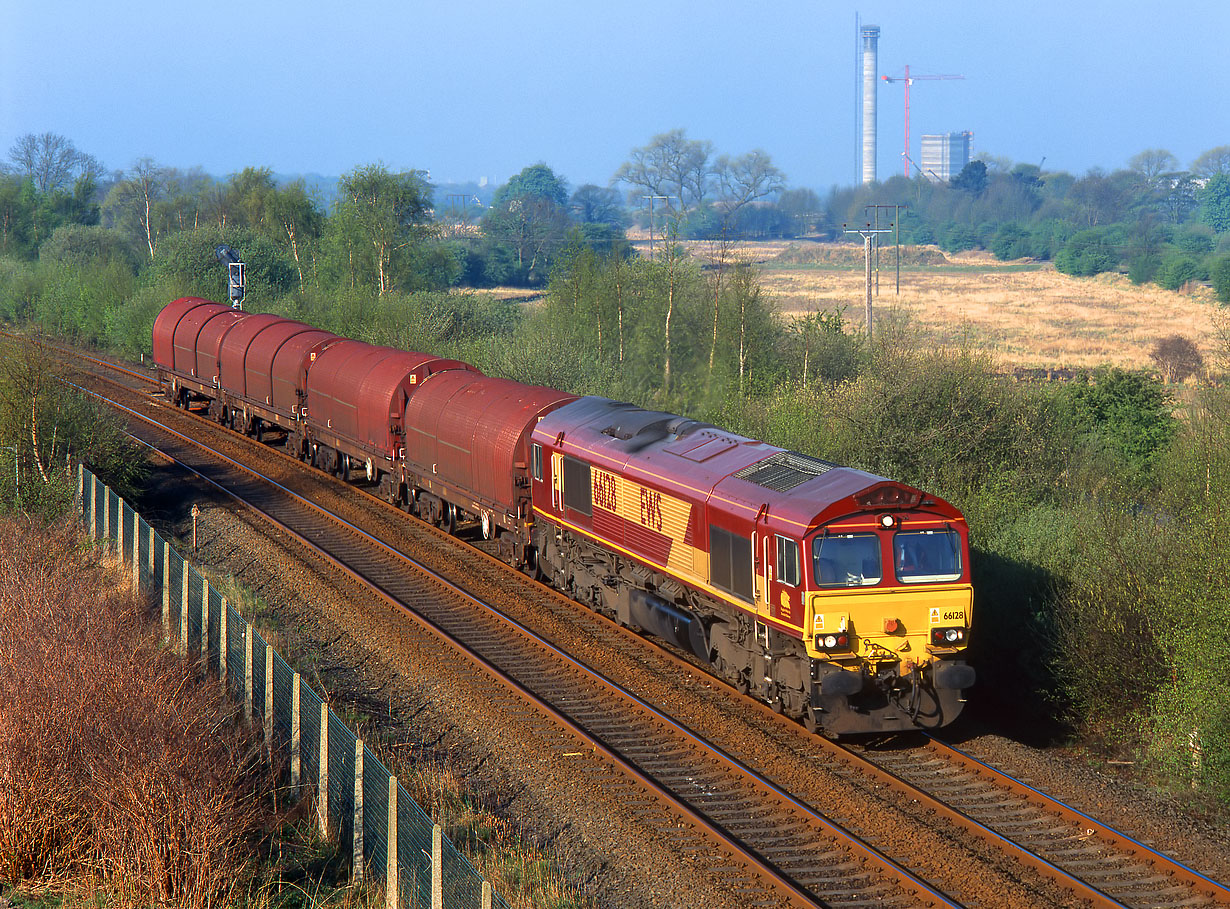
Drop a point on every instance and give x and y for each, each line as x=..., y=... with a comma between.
x=477, y=88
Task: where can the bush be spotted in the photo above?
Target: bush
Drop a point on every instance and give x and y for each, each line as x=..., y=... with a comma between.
x=1143, y=268
x=1176, y=270
x=1220, y=274
x=144, y=787
x=1088, y=253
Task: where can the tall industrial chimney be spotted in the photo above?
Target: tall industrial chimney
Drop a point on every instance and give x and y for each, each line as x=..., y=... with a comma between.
x=871, y=82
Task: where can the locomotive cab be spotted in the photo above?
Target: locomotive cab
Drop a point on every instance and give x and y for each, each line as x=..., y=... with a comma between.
x=888, y=608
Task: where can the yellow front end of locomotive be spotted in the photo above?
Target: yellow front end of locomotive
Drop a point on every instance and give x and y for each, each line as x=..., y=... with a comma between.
x=906, y=625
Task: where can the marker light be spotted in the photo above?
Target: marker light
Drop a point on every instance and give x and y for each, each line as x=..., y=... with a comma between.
x=838, y=641
x=947, y=637
x=888, y=521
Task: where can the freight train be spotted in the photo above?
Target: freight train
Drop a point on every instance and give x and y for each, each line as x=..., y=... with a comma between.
x=838, y=597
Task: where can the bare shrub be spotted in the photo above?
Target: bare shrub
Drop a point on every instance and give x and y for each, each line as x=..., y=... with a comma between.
x=119, y=768
x=1177, y=357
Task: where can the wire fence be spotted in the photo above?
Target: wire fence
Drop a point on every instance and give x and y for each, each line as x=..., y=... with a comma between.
x=359, y=803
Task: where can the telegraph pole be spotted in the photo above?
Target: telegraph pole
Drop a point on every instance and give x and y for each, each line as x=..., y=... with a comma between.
x=867, y=232
x=651, y=199
x=896, y=239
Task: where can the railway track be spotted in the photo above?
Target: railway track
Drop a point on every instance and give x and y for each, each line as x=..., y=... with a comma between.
x=771, y=823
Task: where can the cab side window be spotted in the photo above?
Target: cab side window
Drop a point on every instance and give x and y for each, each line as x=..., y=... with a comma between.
x=788, y=561
x=536, y=460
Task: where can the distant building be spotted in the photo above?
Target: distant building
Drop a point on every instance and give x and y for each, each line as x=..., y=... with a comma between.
x=942, y=157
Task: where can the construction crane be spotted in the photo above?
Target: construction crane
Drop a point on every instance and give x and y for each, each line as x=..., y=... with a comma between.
x=907, y=79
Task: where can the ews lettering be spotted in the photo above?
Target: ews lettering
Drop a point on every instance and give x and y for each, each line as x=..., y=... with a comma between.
x=651, y=509
x=604, y=492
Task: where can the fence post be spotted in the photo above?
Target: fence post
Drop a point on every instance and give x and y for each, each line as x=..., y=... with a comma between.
x=183, y=611
x=356, y=850
x=136, y=553
x=269, y=699
x=166, y=593
x=295, y=737
x=106, y=518
x=150, y=563
x=487, y=897
x=437, y=867
x=94, y=484
x=322, y=778
x=80, y=487
x=205, y=621
x=247, y=671
x=392, y=877
x=224, y=642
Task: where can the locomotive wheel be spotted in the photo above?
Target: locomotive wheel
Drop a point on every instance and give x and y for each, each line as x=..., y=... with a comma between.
x=448, y=520
x=343, y=467
x=258, y=430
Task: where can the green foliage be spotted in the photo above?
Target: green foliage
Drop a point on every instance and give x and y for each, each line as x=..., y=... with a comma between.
x=1088, y=252
x=1144, y=267
x=80, y=245
x=1125, y=416
x=1196, y=242
x=375, y=235
x=1220, y=275
x=1215, y=203
x=1011, y=241
x=186, y=261
x=1176, y=270
x=536, y=180
x=972, y=179
x=43, y=422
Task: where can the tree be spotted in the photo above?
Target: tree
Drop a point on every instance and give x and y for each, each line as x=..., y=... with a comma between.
x=1220, y=275
x=132, y=203
x=592, y=204
x=1213, y=162
x=294, y=214
x=670, y=165
x=247, y=195
x=1177, y=357
x=1099, y=198
x=51, y=161
x=528, y=215
x=1153, y=164
x=1215, y=203
x=379, y=218
x=972, y=179
x=747, y=178
x=803, y=208
x=535, y=180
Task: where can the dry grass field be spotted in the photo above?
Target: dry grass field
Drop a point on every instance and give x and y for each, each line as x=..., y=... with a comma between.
x=1027, y=314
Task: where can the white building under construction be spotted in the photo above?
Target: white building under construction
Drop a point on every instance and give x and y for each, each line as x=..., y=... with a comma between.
x=942, y=157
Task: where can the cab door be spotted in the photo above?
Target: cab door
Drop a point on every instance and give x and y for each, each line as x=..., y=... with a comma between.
x=557, y=483
x=762, y=566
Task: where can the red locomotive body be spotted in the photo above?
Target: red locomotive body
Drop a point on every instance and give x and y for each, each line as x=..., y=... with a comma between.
x=719, y=544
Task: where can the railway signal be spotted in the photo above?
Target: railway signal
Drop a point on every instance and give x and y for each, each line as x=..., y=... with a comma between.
x=236, y=273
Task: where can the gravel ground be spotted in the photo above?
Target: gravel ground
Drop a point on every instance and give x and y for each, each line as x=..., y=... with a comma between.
x=390, y=672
